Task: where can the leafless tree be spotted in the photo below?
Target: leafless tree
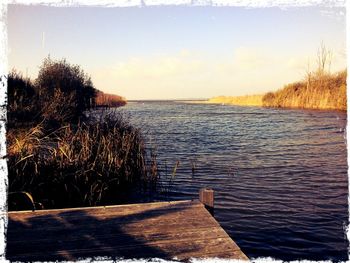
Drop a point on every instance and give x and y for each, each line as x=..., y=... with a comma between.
x=324, y=58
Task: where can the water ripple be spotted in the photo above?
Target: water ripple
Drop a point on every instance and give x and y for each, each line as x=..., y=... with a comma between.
x=280, y=176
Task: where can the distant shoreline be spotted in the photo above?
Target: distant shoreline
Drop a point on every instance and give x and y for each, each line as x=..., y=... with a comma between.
x=322, y=91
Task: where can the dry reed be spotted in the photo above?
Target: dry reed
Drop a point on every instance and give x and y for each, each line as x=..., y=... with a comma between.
x=86, y=164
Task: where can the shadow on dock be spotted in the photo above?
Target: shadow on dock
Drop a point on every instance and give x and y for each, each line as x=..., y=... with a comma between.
x=165, y=230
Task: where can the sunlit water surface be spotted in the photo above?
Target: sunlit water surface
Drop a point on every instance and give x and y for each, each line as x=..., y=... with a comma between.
x=279, y=175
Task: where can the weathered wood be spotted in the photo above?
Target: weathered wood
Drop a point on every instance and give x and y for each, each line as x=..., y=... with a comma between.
x=167, y=230
x=206, y=196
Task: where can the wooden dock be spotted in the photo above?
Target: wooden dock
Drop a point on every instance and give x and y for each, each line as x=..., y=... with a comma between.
x=169, y=230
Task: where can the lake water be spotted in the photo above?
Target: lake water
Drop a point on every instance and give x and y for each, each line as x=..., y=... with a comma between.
x=279, y=175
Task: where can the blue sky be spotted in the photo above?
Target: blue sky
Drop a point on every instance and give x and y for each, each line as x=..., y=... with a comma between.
x=167, y=52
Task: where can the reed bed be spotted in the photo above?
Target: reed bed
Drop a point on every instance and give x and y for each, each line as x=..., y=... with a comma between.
x=85, y=164
x=248, y=100
x=109, y=100
x=63, y=152
x=319, y=91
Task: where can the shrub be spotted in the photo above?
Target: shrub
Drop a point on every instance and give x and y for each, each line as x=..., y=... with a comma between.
x=63, y=89
x=21, y=99
x=268, y=99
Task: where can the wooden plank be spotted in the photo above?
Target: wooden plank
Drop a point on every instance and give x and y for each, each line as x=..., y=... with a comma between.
x=165, y=229
x=181, y=249
x=149, y=220
x=105, y=229
x=122, y=241
x=105, y=212
x=118, y=237
x=99, y=209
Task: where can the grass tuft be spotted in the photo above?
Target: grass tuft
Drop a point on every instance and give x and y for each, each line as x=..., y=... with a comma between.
x=87, y=164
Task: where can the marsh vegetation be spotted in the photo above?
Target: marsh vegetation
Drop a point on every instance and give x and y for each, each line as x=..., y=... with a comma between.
x=63, y=158
x=319, y=89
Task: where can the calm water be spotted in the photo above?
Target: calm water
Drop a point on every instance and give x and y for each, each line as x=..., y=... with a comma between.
x=280, y=176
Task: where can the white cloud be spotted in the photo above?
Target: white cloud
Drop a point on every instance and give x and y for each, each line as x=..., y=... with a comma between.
x=159, y=66
x=249, y=58
x=299, y=63
x=157, y=76
x=187, y=73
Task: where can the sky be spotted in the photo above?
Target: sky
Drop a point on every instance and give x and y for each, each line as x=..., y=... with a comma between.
x=178, y=52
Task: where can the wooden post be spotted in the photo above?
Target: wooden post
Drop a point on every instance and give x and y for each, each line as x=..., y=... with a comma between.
x=206, y=196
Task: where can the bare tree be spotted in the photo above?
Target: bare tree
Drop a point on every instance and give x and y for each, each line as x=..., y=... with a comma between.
x=324, y=58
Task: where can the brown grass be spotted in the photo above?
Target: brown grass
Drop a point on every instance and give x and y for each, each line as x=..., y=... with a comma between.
x=248, y=100
x=62, y=157
x=80, y=165
x=320, y=91
x=109, y=100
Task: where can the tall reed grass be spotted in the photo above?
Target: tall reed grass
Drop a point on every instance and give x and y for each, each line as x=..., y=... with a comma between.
x=64, y=158
x=109, y=100
x=85, y=164
x=319, y=91
x=248, y=100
